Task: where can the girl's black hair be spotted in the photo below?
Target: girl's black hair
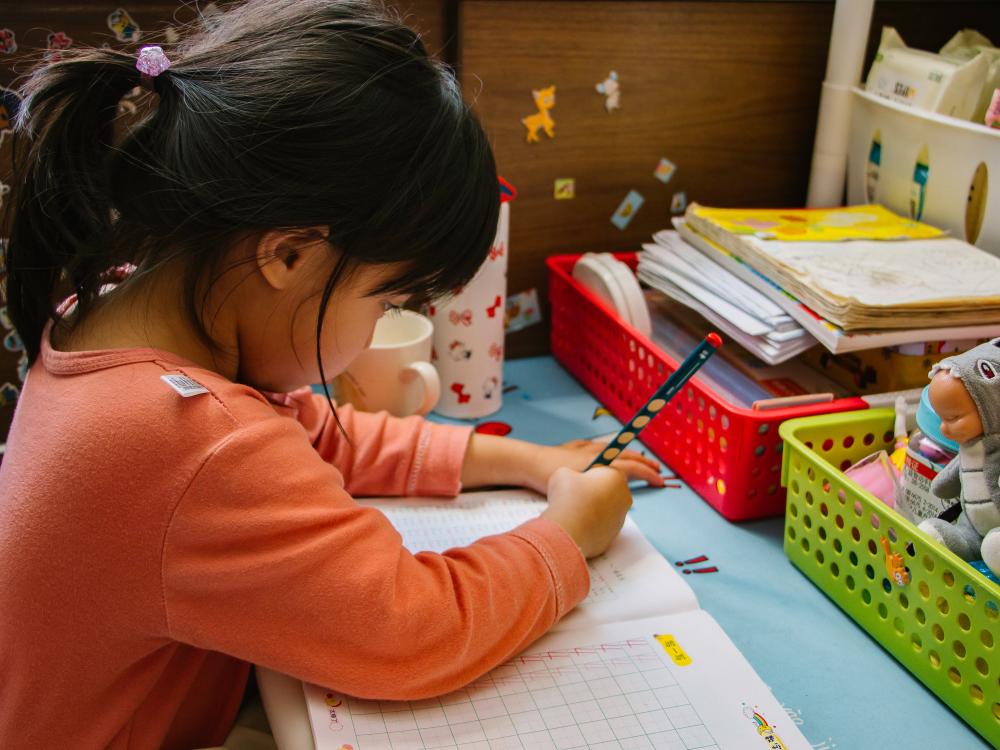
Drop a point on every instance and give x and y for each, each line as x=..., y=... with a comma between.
x=284, y=114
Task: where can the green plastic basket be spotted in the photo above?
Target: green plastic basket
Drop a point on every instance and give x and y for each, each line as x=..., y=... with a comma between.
x=943, y=623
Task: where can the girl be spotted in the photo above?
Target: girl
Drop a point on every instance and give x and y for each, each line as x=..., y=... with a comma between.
x=167, y=518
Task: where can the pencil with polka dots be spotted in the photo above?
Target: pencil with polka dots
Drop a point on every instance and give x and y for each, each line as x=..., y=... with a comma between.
x=658, y=400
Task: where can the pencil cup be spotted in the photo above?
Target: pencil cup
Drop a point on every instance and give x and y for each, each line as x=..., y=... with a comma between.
x=394, y=374
x=469, y=336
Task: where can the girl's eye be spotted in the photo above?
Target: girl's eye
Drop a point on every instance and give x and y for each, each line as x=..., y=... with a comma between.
x=389, y=308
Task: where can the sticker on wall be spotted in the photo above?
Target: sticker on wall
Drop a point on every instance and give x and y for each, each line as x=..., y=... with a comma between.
x=678, y=203
x=10, y=103
x=8, y=42
x=126, y=105
x=124, y=26
x=612, y=93
x=664, y=170
x=564, y=189
x=545, y=100
x=210, y=17
x=12, y=342
x=522, y=311
x=8, y=394
x=55, y=43
x=627, y=210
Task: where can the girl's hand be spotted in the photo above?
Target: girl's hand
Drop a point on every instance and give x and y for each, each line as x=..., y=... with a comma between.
x=591, y=507
x=492, y=460
x=577, y=455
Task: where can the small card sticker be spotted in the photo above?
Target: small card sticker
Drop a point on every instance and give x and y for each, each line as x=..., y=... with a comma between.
x=664, y=170
x=564, y=188
x=184, y=385
x=627, y=210
x=612, y=92
x=523, y=311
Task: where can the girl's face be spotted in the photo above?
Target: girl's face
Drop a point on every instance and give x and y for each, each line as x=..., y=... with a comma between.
x=276, y=325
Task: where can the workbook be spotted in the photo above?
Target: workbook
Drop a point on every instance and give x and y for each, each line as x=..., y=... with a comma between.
x=874, y=271
x=637, y=666
x=835, y=338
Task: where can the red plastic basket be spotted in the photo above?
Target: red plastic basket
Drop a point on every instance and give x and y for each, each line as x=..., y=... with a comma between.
x=729, y=455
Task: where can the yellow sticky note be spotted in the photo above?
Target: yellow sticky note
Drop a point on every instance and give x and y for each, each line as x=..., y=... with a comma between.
x=674, y=650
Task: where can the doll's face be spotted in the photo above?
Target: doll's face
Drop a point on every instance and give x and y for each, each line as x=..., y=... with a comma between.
x=959, y=416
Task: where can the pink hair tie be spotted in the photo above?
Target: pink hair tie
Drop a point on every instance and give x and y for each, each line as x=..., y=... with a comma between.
x=151, y=63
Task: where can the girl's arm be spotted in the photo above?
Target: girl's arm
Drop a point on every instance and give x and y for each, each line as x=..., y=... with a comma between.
x=268, y=559
x=492, y=460
x=412, y=456
x=385, y=455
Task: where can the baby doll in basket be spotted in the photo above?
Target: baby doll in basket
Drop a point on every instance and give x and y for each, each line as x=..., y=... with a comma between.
x=965, y=393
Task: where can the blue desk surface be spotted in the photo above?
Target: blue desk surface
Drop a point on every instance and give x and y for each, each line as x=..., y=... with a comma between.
x=837, y=683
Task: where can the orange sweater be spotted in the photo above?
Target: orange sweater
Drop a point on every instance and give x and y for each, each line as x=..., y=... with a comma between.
x=152, y=545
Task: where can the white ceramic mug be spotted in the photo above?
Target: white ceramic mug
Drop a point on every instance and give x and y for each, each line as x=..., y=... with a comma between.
x=394, y=374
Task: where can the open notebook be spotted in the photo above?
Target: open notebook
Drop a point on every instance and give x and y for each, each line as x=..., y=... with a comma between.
x=637, y=666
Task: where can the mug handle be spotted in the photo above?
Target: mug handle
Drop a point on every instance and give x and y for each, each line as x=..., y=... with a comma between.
x=428, y=375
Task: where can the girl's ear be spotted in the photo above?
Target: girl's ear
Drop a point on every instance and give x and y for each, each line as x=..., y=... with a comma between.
x=282, y=255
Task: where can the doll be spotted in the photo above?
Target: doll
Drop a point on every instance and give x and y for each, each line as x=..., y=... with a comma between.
x=965, y=393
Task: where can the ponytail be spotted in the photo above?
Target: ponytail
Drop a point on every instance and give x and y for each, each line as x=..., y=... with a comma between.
x=62, y=213
x=286, y=113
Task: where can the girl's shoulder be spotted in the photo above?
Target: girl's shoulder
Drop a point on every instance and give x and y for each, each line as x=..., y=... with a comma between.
x=141, y=401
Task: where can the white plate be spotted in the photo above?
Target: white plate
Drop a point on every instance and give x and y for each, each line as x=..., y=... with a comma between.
x=602, y=281
x=635, y=300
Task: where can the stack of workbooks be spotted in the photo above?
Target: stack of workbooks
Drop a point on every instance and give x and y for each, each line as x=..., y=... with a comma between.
x=673, y=267
x=856, y=278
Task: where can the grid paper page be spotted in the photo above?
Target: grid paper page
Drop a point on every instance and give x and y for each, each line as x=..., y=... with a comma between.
x=613, y=687
x=631, y=580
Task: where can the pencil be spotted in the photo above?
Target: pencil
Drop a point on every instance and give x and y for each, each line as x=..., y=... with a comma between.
x=658, y=400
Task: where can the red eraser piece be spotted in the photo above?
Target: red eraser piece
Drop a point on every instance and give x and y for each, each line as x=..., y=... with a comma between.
x=714, y=339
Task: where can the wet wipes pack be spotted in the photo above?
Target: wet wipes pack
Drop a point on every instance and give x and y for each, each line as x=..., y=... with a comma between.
x=926, y=80
x=966, y=45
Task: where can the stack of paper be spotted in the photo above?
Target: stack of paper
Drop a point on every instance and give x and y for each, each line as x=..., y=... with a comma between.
x=867, y=282
x=736, y=375
x=855, y=294
x=678, y=270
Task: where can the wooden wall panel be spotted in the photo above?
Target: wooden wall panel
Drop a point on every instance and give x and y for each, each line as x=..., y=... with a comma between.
x=728, y=91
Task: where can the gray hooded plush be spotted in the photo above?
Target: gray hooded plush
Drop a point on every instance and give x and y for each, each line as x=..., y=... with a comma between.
x=973, y=476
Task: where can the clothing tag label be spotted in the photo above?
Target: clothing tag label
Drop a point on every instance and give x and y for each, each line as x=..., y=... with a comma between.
x=184, y=385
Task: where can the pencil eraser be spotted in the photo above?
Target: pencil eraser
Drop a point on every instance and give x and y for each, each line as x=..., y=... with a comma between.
x=714, y=339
